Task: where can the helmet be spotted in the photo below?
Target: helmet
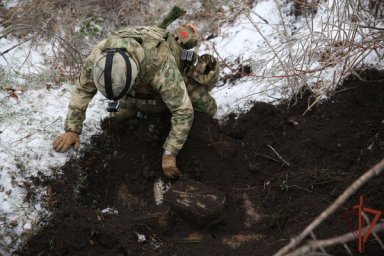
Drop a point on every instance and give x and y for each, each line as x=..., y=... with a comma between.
x=186, y=36
x=114, y=72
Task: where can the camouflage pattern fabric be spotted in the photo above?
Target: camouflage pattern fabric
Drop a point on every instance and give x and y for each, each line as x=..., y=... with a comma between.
x=159, y=75
x=177, y=100
x=199, y=95
x=198, y=81
x=198, y=86
x=205, y=72
x=201, y=100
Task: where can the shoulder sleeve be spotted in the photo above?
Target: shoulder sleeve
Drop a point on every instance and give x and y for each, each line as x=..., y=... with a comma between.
x=83, y=92
x=171, y=87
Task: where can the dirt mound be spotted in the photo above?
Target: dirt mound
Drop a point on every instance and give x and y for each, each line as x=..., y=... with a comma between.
x=279, y=170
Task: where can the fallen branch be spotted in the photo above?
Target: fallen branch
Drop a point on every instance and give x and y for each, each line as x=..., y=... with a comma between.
x=223, y=61
x=374, y=171
x=13, y=47
x=285, y=162
x=377, y=28
x=365, y=216
x=317, y=244
x=299, y=187
x=33, y=133
x=314, y=103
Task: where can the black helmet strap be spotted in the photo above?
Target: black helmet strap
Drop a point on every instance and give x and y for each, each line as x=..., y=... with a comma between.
x=108, y=70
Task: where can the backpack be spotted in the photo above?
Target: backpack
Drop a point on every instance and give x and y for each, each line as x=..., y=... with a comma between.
x=146, y=43
x=146, y=36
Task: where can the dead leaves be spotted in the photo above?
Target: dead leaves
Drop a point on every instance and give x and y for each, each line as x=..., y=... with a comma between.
x=13, y=93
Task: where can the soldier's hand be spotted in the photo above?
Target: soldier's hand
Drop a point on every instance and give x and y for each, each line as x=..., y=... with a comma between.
x=169, y=166
x=65, y=140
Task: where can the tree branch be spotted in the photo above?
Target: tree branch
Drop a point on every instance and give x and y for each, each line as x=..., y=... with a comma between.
x=374, y=171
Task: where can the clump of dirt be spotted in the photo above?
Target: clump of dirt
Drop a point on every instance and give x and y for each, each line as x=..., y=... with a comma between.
x=278, y=169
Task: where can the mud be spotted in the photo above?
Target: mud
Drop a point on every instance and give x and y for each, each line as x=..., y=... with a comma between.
x=278, y=170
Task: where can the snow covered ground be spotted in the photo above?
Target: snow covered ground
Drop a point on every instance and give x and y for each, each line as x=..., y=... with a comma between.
x=33, y=108
x=32, y=114
x=286, y=52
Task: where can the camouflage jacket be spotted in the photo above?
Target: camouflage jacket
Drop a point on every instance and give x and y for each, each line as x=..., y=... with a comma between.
x=196, y=75
x=159, y=75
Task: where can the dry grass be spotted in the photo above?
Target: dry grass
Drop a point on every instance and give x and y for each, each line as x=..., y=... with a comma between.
x=350, y=31
x=73, y=27
x=210, y=14
x=305, y=7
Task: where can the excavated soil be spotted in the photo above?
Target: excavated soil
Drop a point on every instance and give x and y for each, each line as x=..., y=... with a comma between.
x=278, y=168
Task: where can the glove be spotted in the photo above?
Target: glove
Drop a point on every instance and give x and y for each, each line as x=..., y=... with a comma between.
x=169, y=166
x=65, y=140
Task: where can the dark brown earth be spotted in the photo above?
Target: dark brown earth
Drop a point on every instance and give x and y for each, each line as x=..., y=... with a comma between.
x=278, y=169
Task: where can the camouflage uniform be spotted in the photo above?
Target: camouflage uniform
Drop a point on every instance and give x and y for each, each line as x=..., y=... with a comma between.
x=198, y=86
x=159, y=75
x=198, y=83
x=159, y=84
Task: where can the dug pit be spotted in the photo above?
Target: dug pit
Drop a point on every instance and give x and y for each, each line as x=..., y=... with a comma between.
x=277, y=169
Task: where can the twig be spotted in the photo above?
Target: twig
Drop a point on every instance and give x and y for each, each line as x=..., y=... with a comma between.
x=1, y=131
x=25, y=137
x=314, y=103
x=260, y=17
x=365, y=216
x=54, y=35
x=346, y=247
x=285, y=162
x=299, y=187
x=374, y=171
x=331, y=241
x=322, y=249
x=13, y=47
x=30, y=134
x=345, y=89
x=265, y=40
x=362, y=26
x=247, y=74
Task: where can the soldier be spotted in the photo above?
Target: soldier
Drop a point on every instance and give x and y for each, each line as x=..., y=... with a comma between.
x=138, y=68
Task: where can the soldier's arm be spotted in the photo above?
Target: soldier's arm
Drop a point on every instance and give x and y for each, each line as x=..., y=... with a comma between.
x=170, y=85
x=82, y=94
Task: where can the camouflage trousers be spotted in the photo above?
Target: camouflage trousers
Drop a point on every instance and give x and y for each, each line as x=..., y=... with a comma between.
x=199, y=95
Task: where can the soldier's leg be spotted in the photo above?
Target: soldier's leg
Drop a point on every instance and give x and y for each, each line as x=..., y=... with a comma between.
x=201, y=100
